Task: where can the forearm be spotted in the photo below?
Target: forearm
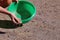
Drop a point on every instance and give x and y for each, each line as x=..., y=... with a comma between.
x=4, y=10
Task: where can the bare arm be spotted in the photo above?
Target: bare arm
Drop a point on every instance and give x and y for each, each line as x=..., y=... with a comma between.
x=4, y=10
x=13, y=17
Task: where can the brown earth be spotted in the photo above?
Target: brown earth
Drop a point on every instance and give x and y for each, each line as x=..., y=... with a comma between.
x=45, y=25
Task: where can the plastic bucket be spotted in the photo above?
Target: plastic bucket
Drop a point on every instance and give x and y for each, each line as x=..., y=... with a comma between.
x=23, y=9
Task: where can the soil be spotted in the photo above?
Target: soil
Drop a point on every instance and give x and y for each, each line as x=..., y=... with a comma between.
x=44, y=26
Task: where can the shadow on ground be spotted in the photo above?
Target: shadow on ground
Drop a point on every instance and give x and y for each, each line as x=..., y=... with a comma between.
x=2, y=32
x=8, y=24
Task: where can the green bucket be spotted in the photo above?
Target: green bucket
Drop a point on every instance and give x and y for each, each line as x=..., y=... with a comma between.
x=23, y=9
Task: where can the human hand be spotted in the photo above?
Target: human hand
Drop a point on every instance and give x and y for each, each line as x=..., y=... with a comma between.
x=15, y=19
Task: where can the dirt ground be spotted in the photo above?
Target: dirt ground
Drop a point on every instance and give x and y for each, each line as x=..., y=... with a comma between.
x=45, y=25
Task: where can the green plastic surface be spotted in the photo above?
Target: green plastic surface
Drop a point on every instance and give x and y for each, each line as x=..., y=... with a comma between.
x=24, y=10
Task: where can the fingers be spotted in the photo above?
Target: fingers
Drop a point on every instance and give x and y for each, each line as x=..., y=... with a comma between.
x=12, y=18
x=15, y=20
